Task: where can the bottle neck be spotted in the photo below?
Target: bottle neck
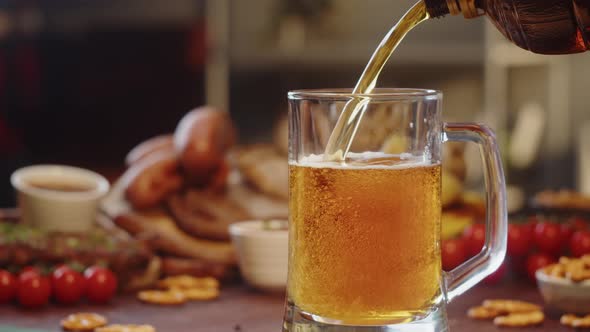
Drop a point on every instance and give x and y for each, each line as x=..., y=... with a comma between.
x=439, y=8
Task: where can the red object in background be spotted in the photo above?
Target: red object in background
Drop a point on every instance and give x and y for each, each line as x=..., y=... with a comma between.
x=548, y=238
x=519, y=240
x=566, y=231
x=537, y=261
x=9, y=139
x=68, y=285
x=34, y=290
x=497, y=276
x=474, y=236
x=101, y=284
x=2, y=74
x=453, y=253
x=197, y=45
x=580, y=243
x=27, y=269
x=578, y=224
x=28, y=74
x=8, y=286
x=532, y=223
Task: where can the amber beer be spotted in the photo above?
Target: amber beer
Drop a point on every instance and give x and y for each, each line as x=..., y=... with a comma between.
x=364, y=239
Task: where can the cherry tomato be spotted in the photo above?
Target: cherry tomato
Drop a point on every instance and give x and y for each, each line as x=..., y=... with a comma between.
x=8, y=285
x=537, y=261
x=453, y=253
x=532, y=223
x=519, y=240
x=101, y=284
x=33, y=290
x=580, y=243
x=548, y=238
x=475, y=237
x=68, y=285
x=30, y=269
x=566, y=231
x=497, y=276
x=578, y=224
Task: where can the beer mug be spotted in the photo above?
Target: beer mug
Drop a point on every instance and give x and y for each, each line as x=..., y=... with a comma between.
x=365, y=233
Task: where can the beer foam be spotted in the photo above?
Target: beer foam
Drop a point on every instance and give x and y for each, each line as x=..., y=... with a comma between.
x=366, y=160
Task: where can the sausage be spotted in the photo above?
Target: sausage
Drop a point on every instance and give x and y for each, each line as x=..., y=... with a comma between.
x=218, y=180
x=150, y=181
x=202, y=139
x=205, y=214
x=149, y=147
x=163, y=234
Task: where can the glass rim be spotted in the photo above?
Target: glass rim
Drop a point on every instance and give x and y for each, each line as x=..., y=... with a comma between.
x=377, y=94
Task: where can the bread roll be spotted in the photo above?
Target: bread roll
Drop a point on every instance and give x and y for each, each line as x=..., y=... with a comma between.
x=149, y=147
x=202, y=139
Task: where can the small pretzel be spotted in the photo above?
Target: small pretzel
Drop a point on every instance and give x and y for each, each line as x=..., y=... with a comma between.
x=482, y=313
x=555, y=270
x=579, y=275
x=187, y=282
x=575, y=321
x=83, y=322
x=521, y=319
x=575, y=270
x=565, y=260
x=511, y=306
x=568, y=319
x=168, y=297
x=126, y=328
x=200, y=294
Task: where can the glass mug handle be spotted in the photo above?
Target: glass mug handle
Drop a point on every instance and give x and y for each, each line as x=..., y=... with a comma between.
x=491, y=256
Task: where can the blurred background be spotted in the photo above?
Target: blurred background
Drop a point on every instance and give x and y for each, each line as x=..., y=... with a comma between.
x=82, y=82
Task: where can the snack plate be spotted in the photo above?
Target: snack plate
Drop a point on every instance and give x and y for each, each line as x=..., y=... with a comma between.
x=564, y=295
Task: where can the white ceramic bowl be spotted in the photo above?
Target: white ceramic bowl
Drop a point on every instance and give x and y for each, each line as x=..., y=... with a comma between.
x=563, y=294
x=58, y=210
x=262, y=251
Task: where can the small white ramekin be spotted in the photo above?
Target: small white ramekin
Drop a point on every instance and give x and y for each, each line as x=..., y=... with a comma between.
x=58, y=210
x=563, y=294
x=263, y=253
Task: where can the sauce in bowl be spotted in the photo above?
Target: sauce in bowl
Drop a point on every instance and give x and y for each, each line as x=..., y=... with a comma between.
x=56, y=185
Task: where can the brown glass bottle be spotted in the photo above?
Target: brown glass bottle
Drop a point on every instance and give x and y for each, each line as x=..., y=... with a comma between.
x=540, y=26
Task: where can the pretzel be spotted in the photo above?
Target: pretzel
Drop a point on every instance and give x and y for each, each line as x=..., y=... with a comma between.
x=482, y=313
x=575, y=321
x=565, y=260
x=200, y=294
x=188, y=282
x=168, y=297
x=83, y=322
x=575, y=269
x=568, y=319
x=521, y=319
x=511, y=306
x=126, y=328
x=555, y=270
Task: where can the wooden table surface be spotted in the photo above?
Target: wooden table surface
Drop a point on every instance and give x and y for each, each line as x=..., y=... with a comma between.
x=251, y=311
